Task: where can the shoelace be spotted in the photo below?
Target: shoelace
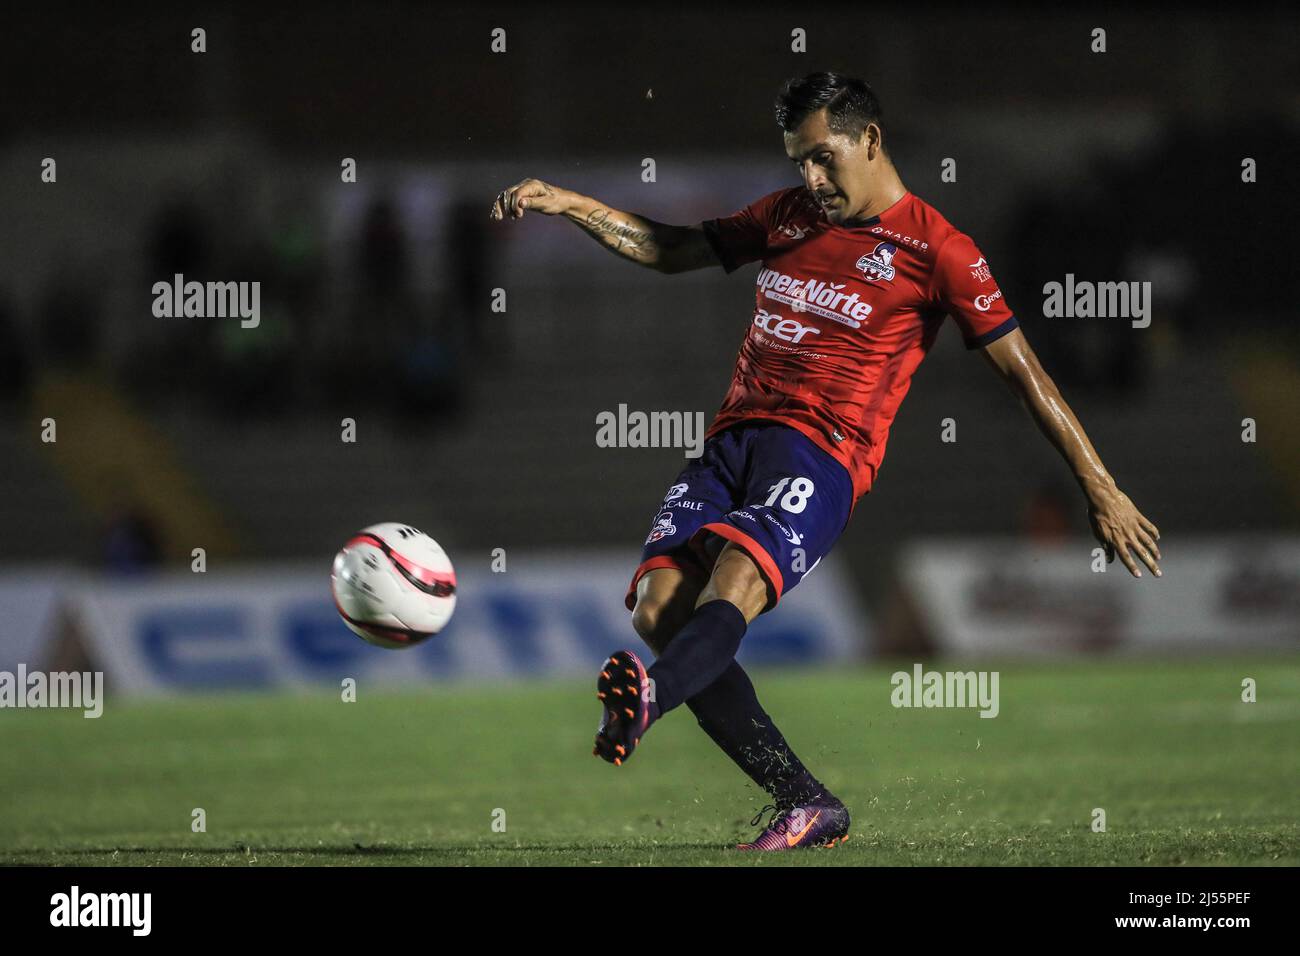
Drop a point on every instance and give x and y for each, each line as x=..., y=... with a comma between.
x=779, y=821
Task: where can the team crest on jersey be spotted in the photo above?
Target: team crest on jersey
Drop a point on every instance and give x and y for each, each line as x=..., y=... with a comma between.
x=663, y=527
x=879, y=262
x=793, y=231
x=980, y=270
x=676, y=491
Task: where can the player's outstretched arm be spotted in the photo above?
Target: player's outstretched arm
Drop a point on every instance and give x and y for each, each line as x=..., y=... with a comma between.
x=1116, y=522
x=662, y=247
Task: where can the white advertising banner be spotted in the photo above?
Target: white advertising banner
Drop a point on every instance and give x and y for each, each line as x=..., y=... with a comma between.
x=995, y=597
x=29, y=603
x=277, y=626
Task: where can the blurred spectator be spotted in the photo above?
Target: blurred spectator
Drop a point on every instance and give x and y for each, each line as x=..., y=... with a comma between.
x=382, y=319
x=172, y=360
x=130, y=543
x=429, y=385
x=254, y=367
x=179, y=241
x=15, y=360
x=467, y=302
x=383, y=260
x=70, y=318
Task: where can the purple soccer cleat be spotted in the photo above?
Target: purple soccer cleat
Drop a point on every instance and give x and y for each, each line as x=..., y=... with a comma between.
x=624, y=691
x=821, y=822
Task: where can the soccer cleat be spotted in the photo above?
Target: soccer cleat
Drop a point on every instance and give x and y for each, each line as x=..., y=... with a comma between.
x=623, y=689
x=822, y=822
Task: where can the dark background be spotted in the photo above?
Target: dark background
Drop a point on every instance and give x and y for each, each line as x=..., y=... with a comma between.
x=479, y=427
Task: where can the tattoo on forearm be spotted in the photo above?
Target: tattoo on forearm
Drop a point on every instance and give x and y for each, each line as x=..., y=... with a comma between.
x=620, y=237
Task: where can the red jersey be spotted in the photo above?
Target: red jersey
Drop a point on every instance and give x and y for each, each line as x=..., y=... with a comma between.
x=843, y=316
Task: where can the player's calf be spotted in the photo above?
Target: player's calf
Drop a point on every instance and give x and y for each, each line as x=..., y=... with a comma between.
x=736, y=578
x=665, y=600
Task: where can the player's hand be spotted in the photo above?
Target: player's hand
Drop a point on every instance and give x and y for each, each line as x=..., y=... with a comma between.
x=1121, y=528
x=530, y=194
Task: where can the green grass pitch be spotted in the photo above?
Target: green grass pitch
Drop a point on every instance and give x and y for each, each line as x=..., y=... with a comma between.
x=1186, y=773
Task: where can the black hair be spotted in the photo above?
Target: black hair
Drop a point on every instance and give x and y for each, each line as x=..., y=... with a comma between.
x=849, y=102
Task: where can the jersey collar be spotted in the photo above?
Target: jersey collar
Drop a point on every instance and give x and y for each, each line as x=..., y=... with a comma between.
x=865, y=226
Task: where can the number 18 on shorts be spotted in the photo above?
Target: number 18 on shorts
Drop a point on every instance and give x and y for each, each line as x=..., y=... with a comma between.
x=765, y=487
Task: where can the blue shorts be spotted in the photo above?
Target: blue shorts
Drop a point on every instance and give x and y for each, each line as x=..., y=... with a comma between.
x=763, y=486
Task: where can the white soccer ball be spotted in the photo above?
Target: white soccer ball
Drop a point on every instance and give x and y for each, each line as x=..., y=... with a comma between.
x=393, y=585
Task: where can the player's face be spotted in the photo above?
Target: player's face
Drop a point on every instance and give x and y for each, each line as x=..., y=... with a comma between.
x=833, y=165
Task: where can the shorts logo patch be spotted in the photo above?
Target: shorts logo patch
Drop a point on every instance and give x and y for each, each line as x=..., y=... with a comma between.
x=790, y=534
x=663, y=527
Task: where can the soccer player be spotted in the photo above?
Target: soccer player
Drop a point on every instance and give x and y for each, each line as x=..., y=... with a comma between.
x=857, y=276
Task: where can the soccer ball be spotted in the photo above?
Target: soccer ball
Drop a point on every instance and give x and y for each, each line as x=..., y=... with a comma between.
x=393, y=585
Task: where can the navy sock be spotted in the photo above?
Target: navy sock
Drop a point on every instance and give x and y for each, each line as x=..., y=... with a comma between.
x=698, y=655
x=728, y=710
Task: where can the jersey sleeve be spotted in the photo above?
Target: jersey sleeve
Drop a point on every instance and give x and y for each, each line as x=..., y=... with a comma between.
x=965, y=289
x=742, y=237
